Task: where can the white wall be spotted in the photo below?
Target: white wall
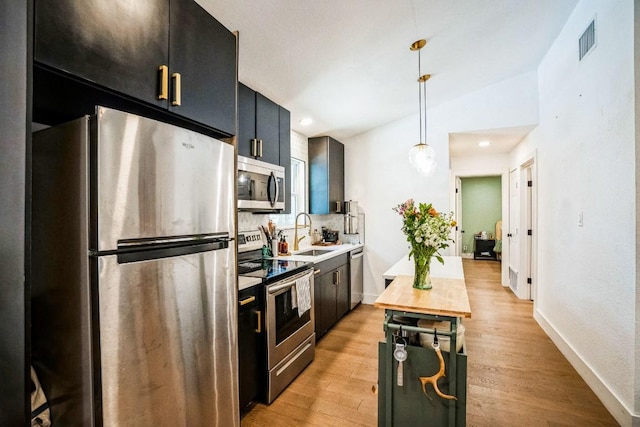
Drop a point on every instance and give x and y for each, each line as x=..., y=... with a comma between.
x=585, y=146
x=379, y=177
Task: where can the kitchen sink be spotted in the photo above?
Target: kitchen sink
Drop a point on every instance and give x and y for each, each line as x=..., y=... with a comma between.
x=313, y=252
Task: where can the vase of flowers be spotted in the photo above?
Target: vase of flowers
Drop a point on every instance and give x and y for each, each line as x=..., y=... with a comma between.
x=427, y=231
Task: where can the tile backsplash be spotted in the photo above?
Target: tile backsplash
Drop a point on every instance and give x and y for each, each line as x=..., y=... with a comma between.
x=249, y=221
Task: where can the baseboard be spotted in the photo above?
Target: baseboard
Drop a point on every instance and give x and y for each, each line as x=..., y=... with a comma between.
x=467, y=255
x=369, y=298
x=617, y=409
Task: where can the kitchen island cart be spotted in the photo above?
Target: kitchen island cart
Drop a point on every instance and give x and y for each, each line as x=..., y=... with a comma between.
x=402, y=401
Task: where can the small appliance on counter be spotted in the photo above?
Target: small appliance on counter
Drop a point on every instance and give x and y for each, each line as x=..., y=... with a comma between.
x=350, y=217
x=330, y=236
x=353, y=223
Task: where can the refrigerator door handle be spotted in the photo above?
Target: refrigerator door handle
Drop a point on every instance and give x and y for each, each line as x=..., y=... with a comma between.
x=166, y=251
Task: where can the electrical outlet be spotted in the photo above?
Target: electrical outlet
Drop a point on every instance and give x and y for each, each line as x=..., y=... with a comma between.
x=464, y=248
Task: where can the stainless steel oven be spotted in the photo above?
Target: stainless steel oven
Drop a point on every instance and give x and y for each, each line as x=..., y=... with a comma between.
x=290, y=339
x=290, y=335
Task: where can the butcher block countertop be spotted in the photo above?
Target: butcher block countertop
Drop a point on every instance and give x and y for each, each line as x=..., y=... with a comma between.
x=448, y=297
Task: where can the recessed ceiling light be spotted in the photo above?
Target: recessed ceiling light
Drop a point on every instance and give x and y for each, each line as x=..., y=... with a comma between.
x=484, y=144
x=305, y=121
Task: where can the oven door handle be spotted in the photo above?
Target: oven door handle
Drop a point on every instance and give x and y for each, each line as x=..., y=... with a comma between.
x=274, y=289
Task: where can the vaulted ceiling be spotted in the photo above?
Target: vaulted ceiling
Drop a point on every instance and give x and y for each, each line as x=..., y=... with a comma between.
x=347, y=64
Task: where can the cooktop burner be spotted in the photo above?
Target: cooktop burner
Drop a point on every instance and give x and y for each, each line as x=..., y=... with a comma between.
x=268, y=269
x=251, y=263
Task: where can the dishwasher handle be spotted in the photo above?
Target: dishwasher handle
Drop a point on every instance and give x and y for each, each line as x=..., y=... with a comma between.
x=357, y=255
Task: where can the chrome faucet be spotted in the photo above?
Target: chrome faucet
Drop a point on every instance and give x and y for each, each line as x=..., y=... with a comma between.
x=296, y=241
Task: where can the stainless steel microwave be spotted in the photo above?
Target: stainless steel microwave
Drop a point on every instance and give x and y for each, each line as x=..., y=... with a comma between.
x=260, y=185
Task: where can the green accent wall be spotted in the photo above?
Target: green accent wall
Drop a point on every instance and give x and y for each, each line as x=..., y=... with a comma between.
x=481, y=207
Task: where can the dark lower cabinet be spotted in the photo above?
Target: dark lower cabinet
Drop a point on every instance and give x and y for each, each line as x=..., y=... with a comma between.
x=251, y=346
x=168, y=54
x=331, y=293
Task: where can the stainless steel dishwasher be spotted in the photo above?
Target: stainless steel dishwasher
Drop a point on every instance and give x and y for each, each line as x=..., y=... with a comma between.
x=356, y=272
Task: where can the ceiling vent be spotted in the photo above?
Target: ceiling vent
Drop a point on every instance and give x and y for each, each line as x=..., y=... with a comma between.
x=587, y=40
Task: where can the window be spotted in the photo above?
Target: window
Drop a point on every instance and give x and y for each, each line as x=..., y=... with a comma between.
x=298, y=187
x=298, y=194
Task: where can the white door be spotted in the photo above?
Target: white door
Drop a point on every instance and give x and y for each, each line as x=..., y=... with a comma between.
x=528, y=260
x=513, y=232
x=459, y=216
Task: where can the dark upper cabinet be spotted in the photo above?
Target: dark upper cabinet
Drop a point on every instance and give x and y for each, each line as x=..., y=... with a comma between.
x=247, y=145
x=285, y=154
x=258, y=126
x=264, y=133
x=134, y=47
x=203, y=52
x=326, y=175
x=268, y=129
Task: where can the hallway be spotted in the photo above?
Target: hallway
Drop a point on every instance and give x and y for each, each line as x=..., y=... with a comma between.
x=516, y=375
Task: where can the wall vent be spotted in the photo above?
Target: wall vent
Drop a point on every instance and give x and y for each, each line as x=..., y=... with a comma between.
x=587, y=40
x=513, y=280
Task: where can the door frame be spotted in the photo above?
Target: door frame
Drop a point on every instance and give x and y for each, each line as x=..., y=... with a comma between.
x=528, y=220
x=456, y=248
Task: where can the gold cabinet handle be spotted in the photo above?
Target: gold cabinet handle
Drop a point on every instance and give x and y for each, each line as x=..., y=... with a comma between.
x=163, y=92
x=316, y=271
x=177, y=98
x=247, y=301
x=254, y=148
x=260, y=145
x=259, y=328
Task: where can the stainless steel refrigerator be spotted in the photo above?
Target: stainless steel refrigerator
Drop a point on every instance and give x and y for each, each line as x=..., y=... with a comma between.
x=134, y=301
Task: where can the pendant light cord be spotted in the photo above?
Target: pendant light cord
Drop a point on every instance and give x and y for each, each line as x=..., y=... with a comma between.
x=420, y=97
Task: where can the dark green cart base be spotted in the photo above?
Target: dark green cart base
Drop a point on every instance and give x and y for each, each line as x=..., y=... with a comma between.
x=410, y=406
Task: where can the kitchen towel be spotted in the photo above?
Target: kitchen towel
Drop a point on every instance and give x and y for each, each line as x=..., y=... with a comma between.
x=303, y=293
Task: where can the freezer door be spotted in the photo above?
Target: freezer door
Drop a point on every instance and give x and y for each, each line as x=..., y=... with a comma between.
x=151, y=179
x=167, y=340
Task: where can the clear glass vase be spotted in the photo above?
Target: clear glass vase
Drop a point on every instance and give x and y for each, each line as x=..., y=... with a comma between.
x=422, y=273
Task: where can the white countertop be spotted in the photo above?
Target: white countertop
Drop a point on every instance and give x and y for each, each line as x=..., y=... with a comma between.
x=247, y=282
x=451, y=269
x=333, y=250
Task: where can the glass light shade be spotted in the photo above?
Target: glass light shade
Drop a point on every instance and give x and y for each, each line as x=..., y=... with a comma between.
x=429, y=170
x=422, y=157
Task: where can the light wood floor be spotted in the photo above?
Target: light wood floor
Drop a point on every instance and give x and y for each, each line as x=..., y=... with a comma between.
x=516, y=375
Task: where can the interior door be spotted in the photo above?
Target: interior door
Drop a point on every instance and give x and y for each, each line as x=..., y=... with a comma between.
x=529, y=245
x=513, y=233
x=458, y=237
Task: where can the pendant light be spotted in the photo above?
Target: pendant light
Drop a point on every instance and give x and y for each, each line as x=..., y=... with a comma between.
x=421, y=155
